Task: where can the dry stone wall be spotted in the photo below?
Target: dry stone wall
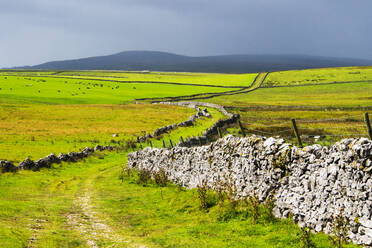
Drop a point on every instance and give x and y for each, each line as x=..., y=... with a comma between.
x=46, y=162
x=313, y=184
x=211, y=131
x=161, y=130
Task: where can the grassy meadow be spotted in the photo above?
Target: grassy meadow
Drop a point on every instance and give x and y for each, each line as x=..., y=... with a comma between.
x=93, y=203
x=332, y=111
x=15, y=89
x=37, y=130
x=39, y=116
x=319, y=76
x=243, y=80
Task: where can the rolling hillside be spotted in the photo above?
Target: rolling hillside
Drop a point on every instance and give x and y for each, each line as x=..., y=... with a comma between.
x=161, y=61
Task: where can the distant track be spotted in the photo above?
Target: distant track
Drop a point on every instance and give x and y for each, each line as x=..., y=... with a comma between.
x=254, y=86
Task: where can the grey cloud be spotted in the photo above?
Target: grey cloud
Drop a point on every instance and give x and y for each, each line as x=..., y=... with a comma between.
x=41, y=30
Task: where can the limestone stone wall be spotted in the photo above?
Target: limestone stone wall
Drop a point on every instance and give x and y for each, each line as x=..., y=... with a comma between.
x=313, y=184
x=200, y=113
x=211, y=131
x=46, y=162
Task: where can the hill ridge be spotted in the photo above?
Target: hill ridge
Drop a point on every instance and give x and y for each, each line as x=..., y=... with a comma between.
x=165, y=61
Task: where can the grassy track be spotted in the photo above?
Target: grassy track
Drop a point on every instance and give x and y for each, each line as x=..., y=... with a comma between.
x=42, y=215
x=86, y=204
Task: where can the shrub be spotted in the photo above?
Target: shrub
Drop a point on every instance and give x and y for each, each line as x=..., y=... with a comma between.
x=340, y=229
x=161, y=178
x=206, y=197
x=202, y=195
x=144, y=176
x=268, y=207
x=125, y=173
x=226, y=189
x=305, y=238
x=254, y=207
x=130, y=144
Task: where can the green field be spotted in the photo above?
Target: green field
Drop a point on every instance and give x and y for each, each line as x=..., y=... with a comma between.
x=319, y=76
x=44, y=115
x=93, y=202
x=74, y=91
x=333, y=111
x=243, y=80
x=37, y=130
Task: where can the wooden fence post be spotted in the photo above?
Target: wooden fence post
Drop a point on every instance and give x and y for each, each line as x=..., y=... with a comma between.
x=183, y=142
x=171, y=143
x=296, y=132
x=219, y=132
x=366, y=118
x=163, y=144
x=241, y=128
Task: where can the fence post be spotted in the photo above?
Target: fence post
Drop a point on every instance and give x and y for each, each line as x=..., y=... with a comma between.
x=183, y=142
x=151, y=143
x=296, y=132
x=241, y=128
x=163, y=143
x=219, y=132
x=171, y=143
x=366, y=118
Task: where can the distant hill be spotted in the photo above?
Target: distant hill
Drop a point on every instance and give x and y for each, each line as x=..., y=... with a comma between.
x=161, y=61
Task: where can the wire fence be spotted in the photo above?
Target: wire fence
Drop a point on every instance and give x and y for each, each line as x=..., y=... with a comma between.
x=351, y=126
x=289, y=131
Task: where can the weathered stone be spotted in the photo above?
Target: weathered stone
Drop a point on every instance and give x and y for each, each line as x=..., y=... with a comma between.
x=27, y=164
x=6, y=166
x=98, y=148
x=63, y=157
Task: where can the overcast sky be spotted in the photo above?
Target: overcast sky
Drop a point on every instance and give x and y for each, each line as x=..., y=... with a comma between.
x=36, y=31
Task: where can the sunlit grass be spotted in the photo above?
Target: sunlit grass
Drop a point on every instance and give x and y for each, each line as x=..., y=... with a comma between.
x=319, y=76
x=37, y=130
x=335, y=110
x=34, y=124
x=176, y=77
x=156, y=217
x=18, y=89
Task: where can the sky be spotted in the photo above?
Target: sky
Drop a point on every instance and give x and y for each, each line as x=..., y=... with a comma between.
x=37, y=31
